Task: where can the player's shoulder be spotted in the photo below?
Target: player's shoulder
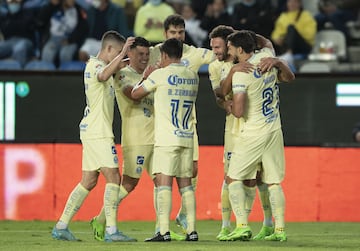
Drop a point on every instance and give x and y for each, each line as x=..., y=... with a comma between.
x=216, y=66
x=216, y=63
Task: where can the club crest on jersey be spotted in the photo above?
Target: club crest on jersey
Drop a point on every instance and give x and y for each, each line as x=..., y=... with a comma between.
x=257, y=73
x=121, y=76
x=185, y=62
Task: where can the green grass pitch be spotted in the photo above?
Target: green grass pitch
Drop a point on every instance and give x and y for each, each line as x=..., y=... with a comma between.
x=35, y=235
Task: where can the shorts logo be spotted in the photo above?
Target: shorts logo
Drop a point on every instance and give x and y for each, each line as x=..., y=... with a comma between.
x=116, y=160
x=228, y=155
x=140, y=160
x=113, y=150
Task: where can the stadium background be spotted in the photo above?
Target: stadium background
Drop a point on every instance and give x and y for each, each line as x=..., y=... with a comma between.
x=40, y=160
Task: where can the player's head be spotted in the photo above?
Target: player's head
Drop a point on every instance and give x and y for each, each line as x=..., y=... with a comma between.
x=111, y=45
x=139, y=54
x=171, y=51
x=240, y=44
x=174, y=27
x=218, y=41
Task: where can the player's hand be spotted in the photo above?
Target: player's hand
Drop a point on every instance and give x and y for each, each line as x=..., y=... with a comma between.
x=126, y=48
x=266, y=64
x=149, y=69
x=228, y=106
x=243, y=67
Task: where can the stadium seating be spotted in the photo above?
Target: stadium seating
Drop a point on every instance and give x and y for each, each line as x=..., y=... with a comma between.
x=329, y=45
x=10, y=64
x=72, y=66
x=39, y=65
x=315, y=67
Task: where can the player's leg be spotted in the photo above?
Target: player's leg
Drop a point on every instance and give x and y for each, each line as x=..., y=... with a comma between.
x=274, y=172
x=242, y=181
x=135, y=160
x=74, y=202
x=166, y=160
x=76, y=198
x=187, y=192
x=181, y=215
x=225, y=201
x=110, y=170
x=238, y=193
x=267, y=227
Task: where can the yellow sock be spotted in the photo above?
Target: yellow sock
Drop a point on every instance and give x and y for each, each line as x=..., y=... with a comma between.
x=164, y=203
x=74, y=202
x=277, y=201
x=265, y=203
x=237, y=196
x=194, y=182
x=101, y=216
x=111, y=198
x=157, y=226
x=188, y=202
x=250, y=198
x=225, y=205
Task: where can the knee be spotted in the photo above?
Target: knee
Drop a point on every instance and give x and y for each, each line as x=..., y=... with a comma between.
x=129, y=183
x=89, y=184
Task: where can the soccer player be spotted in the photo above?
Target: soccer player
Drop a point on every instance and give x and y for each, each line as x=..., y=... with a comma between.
x=193, y=58
x=175, y=90
x=259, y=135
x=137, y=132
x=218, y=71
x=99, y=152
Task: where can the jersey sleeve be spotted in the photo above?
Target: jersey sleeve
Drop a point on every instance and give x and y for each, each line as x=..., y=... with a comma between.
x=240, y=82
x=214, y=75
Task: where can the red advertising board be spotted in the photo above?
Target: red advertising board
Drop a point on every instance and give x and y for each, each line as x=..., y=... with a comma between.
x=36, y=179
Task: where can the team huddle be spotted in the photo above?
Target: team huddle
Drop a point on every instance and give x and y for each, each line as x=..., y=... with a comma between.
x=156, y=92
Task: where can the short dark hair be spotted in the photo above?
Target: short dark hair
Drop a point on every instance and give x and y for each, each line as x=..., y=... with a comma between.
x=175, y=20
x=140, y=41
x=221, y=31
x=172, y=47
x=243, y=39
x=112, y=36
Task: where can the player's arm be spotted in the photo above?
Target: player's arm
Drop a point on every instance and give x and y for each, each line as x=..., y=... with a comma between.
x=239, y=67
x=138, y=92
x=117, y=63
x=219, y=98
x=127, y=90
x=284, y=72
x=262, y=42
x=238, y=104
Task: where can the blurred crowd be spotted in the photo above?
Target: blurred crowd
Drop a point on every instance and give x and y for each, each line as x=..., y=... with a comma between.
x=60, y=31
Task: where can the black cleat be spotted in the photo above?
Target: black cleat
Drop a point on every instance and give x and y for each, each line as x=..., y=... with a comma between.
x=158, y=237
x=193, y=236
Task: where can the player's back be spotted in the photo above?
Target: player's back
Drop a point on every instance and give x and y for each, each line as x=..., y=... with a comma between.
x=262, y=105
x=174, y=99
